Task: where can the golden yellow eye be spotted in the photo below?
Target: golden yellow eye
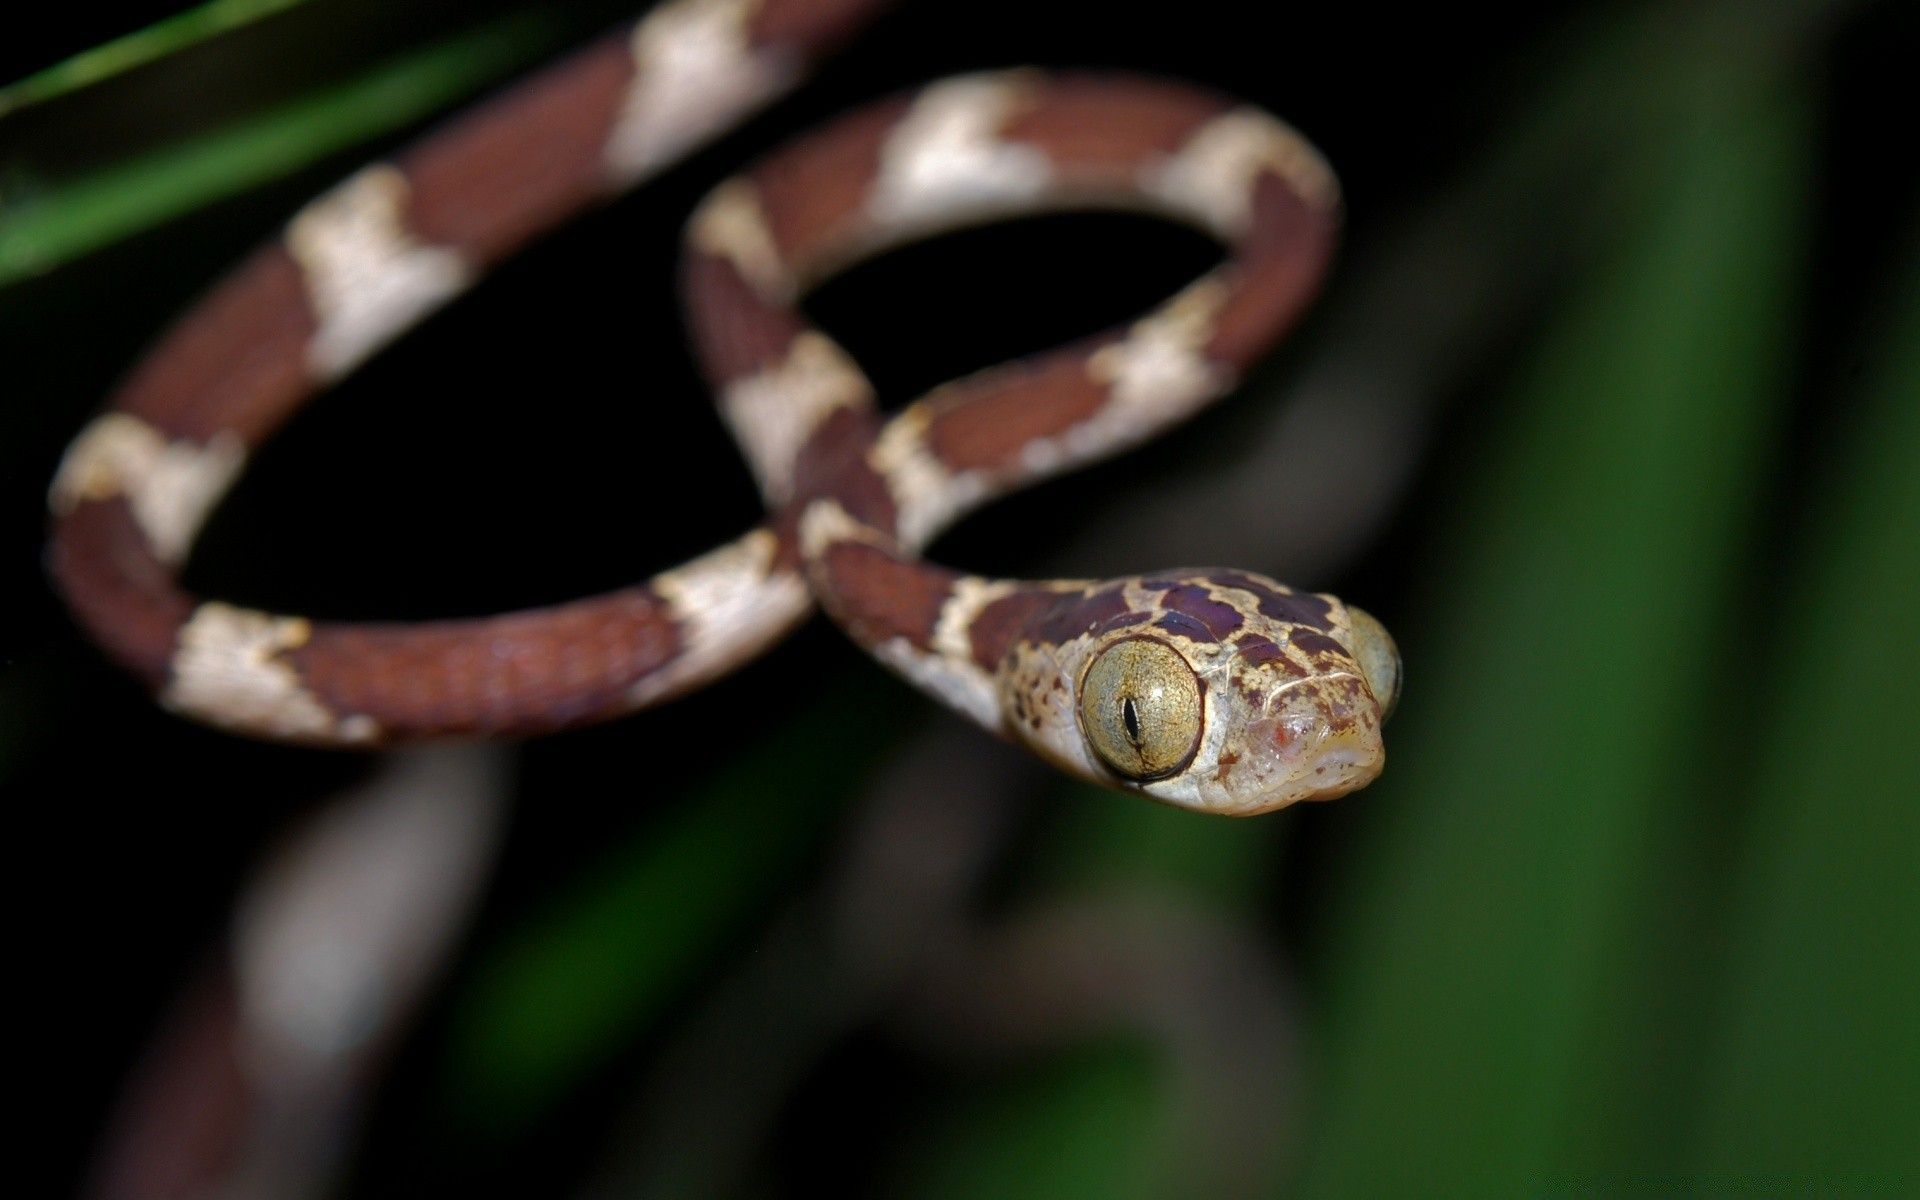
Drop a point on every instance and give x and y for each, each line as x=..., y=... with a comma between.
x=1140, y=709
x=1379, y=659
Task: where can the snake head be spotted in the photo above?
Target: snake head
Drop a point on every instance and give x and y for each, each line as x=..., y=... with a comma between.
x=1213, y=690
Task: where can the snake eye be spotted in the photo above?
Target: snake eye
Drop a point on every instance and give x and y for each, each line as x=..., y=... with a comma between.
x=1140, y=709
x=1379, y=659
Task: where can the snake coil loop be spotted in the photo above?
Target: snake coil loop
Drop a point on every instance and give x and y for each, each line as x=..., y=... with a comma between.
x=1212, y=689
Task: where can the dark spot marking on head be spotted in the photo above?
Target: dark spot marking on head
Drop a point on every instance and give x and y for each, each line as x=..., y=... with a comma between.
x=1219, y=617
x=1185, y=626
x=1125, y=620
x=1281, y=604
x=1236, y=579
x=1346, y=704
x=1318, y=643
x=1258, y=650
x=1261, y=652
x=999, y=624
x=1227, y=759
x=1077, y=615
x=1299, y=608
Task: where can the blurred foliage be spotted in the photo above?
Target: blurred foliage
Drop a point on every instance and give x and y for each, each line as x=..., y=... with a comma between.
x=1574, y=644
x=1090, y=1124
x=1635, y=900
x=549, y=1002
x=40, y=231
x=1813, y=1062
x=137, y=49
x=1096, y=844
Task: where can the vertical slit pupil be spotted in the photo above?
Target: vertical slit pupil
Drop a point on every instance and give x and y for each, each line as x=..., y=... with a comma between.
x=1131, y=718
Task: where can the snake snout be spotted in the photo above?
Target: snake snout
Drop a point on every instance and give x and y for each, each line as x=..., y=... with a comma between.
x=1379, y=659
x=1324, y=739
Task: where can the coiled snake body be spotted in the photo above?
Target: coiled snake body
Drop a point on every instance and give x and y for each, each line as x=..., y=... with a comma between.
x=1212, y=689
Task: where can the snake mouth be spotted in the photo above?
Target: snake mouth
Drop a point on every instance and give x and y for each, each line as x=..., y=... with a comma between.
x=1318, y=738
x=1344, y=767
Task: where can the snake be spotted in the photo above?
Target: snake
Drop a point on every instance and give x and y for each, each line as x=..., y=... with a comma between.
x=1217, y=690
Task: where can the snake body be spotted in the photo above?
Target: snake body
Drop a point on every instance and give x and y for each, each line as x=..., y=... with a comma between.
x=1213, y=689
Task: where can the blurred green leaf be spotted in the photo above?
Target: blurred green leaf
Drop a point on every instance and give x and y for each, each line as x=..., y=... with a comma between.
x=1816, y=1060
x=1579, y=605
x=136, y=49
x=76, y=218
x=1102, y=839
x=1098, y=1121
x=1091, y=1124
x=579, y=981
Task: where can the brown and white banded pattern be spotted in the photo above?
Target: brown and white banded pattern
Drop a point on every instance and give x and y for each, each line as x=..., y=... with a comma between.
x=355, y=269
x=1212, y=689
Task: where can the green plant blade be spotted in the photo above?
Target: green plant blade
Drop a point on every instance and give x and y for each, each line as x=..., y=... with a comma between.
x=1091, y=1124
x=72, y=219
x=1815, y=1070
x=1577, y=615
x=136, y=49
x=580, y=981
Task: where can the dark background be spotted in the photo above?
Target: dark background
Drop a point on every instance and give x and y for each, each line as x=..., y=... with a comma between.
x=546, y=437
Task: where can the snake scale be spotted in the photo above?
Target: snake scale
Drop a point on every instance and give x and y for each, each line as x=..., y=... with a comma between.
x=1217, y=690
